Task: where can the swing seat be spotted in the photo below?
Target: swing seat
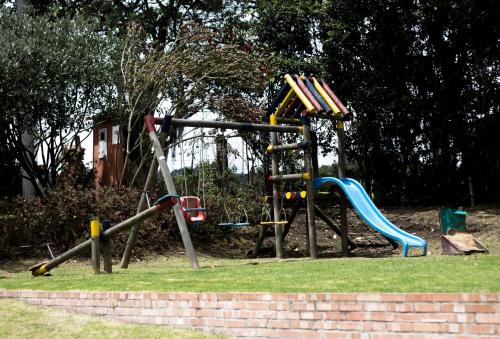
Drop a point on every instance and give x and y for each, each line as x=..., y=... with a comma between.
x=284, y=222
x=192, y=210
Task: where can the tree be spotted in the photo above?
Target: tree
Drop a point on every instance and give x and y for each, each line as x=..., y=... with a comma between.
x=55, y=74
x=420, y=75
x=200, y=70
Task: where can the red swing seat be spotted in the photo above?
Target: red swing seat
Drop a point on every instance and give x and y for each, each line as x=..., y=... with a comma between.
x=192, y=210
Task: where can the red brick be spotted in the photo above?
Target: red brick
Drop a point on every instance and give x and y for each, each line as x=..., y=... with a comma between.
x=179, y=312
x=340, y=335
x=238, y=323
x=301, y=324
x=249, y=297
x=482, y=308
x=419, y=297
x=349, y=325
x=324, y=325
x=216, y=322
x=453, y=308
x=368, y=297
x=399, y=327
x=319, y=297
x=256, y=323
x=479, y=329
x=488, y=318
x=427, y=308
x=240, y=332
x=278, y=323
x=461, y=317
x=208, y=313
x=326, y=306
x=163, y=296
x=343, y=297
x=387, y=336
x=420, y=317
x=351, y=307
x=310, y=315
x=375, y=307
x=451, y=328
x=207, y=296
x=244, y=314
x=381, y=316
x=284, y=297
x=474, y=297
x=285, y=315
x=423, y=336
x=393, y=297
x=334, y=315
x=426, y=327
x=279, y=306
x=374, y=326
x=401, y=308
x=226, y=296
x=357, y=316
x=488, y=297
x=257, y=306
x=298, y=306
x=198, y=322
x=220, y=304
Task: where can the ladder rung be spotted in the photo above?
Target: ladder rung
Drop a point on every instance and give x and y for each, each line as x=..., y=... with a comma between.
x=287, y=147
x=290, y=177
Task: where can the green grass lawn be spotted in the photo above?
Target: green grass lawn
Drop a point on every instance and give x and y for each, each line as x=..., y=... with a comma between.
x=419, y=274
x=18, y=320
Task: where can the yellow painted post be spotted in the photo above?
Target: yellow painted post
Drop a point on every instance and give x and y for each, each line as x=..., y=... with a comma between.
x=95, y=227
x=325, y=96
x=310, y=108
x=284, y=104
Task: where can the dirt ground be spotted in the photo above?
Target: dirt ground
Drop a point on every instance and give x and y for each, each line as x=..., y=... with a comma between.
x=482, y=221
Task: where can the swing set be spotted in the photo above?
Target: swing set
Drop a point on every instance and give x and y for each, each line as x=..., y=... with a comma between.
x=191, y=206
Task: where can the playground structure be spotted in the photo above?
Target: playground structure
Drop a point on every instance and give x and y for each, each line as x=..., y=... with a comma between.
x=299, y=100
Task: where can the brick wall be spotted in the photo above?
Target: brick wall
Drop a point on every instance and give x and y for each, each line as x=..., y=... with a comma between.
x=301, y=315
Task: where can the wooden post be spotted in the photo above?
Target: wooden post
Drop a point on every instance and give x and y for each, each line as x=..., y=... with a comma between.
x=276, y=193
x=106, y=248
x=290, y=220
x=314, y=155
x=342, y=173
x=260, y=239
x=169, y=182
x=332, y=225
x=313, y=251
x=143, y=204
x=94, y=234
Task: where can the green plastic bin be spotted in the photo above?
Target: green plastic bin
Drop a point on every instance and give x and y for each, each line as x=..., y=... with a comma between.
x=451, y=219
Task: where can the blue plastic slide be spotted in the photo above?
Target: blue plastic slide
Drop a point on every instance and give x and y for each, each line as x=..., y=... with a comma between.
x=367, y=210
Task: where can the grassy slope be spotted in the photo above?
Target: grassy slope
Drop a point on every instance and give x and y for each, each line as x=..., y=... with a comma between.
x=421, y=274
x=18, y=320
